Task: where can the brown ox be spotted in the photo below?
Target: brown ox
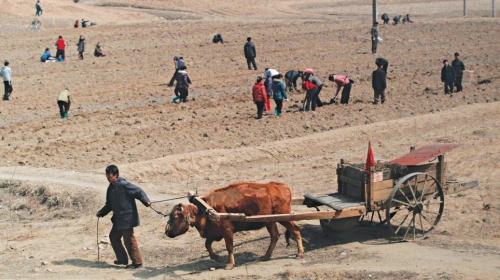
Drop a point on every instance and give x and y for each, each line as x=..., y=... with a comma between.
x=248, y=198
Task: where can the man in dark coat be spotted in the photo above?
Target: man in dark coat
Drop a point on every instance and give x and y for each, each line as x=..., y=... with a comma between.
x=447, y=77
x=291, y=78
x=385, y=18
x=250, y=53
x=374, y=37
x=379, y=84
x=396, y=19
x=459, y=68
x=120, y=198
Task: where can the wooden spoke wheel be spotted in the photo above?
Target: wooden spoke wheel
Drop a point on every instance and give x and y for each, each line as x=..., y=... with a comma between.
x=416, y=203
x=375, y=218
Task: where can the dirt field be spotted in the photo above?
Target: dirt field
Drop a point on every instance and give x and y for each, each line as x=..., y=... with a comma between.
x=122, y=113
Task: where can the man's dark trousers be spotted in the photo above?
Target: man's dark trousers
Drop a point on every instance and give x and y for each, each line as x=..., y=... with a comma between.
x=448, y=87
x=458, y=82
x=7, y=90
x=115, y=237
x=260, y=109
x=346, y=93
x=251, y=61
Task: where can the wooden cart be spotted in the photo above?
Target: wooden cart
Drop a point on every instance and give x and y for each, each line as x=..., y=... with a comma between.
x=407, y=194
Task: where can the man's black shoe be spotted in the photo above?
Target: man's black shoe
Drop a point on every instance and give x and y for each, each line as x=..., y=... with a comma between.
x=134, y=266
x=119, y=262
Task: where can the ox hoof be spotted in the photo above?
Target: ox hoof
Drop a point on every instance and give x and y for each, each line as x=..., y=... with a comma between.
x=299, y=256
x=229, y=266
x=216, y=258
x=265, y=258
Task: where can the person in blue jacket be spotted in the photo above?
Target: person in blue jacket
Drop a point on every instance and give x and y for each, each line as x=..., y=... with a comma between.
x=47, y=56
x=279, y=93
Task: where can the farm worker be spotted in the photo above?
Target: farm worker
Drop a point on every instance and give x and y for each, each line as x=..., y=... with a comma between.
x=268, y=83
x=374, y=33
x=81, y=47
x=385, y=18
x=178, y=62
x=250, y=53
x=447, y=77
x=396, y=19
x=64, y=102
x=38, y=7
x=120, y=198
x=76, y=24
x=84, y=23
x=379, y=84
x=459, y=68
x=98, y=50
x=407, y=19
x=309, y=76
x=61, y=47
x=47, y=56
x=259, y=96
x=279, y=93
x=341, y=81
x=183, y=85
x=291, y=78
x=311, y=94
x=6, y=73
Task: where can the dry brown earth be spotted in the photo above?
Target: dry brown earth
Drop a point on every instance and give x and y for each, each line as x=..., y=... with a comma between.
x=122, y=113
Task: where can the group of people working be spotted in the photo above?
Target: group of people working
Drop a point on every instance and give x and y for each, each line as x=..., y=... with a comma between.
x=61, y=50
x=274, y=86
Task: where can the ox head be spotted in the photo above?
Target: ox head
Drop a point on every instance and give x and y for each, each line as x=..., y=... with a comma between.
x=178, y=221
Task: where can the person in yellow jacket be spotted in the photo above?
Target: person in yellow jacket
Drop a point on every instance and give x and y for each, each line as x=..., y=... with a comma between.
x=64, y=102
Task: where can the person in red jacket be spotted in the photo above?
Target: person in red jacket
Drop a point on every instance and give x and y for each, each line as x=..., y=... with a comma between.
x=61, y=46
x=259, y=96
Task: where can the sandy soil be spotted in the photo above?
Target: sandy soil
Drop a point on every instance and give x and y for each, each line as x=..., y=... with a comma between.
x=122, y=113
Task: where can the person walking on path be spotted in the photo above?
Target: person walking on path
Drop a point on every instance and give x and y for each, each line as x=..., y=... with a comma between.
x=448, y=76
x=61, y=47
x=374, y=33
x=279, y=93
x=291, y=78
x=98, y=50
x=250, y=53
x=259, y=96
x=120, y=198
x=178, y=62
x=81, y=47
x=38, y=7
x=459, y=68
x=379, y=84
x=183, y=85
x=6, y=73
x=64, y=102
x=346, y=83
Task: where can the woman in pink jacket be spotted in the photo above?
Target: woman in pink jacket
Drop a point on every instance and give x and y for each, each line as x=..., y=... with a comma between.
x=341, y=81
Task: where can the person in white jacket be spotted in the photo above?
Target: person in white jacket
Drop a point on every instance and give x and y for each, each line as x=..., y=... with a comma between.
x=6, y=73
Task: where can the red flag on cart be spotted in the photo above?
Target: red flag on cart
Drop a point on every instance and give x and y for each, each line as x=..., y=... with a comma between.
x=370, y=160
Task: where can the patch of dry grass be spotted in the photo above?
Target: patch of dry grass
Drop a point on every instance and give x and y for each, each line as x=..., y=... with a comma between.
x=46, y=201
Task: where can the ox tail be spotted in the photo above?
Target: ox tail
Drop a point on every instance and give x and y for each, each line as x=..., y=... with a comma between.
x=287, y=238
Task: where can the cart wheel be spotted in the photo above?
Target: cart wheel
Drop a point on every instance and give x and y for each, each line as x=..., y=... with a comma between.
x=416, y=204
x=375, y=218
